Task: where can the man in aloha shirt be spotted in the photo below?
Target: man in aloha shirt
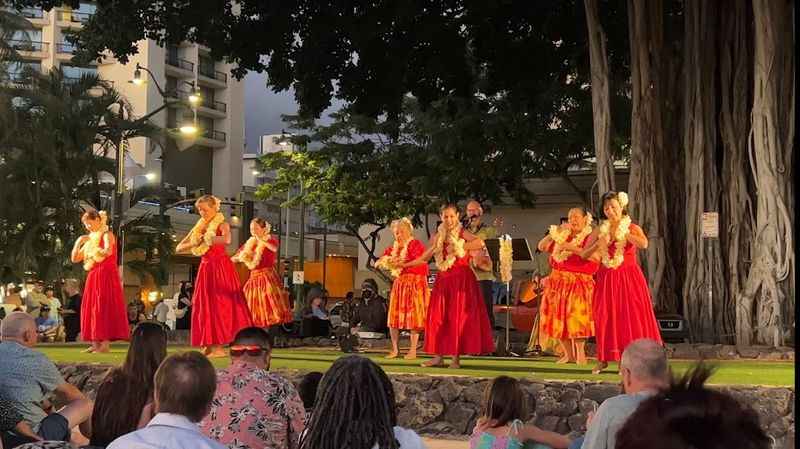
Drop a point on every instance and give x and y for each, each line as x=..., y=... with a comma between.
x=252, y=407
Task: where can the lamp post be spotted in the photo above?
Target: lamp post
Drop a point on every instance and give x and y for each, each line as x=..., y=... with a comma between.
x=302, y=234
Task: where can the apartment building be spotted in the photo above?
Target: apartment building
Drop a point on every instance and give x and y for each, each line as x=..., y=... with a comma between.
x=209, y=161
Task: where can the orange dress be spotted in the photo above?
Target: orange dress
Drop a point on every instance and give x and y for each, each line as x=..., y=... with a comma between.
x=566, y=308
x=264, y=293
x=408, y=300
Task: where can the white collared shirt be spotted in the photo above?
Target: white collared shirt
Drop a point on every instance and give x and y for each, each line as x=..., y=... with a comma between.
x=166, y=431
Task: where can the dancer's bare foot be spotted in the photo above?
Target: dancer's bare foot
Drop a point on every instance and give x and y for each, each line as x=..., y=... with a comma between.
x=599, y=367
x=410, y=356
x=206, y=351
x=563, y=360
x=392, y=355
x=580, y=360
x=217, y=354
x=88, y=350
x=434, y=362
x=454, y=365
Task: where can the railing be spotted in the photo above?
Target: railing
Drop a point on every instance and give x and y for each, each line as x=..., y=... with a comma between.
x=74, y=16
x=26, y=45
x=66, y=48
x=214, y=74
x=215, y=135
x=180, y=63
x=29, y=13
x=216, y=105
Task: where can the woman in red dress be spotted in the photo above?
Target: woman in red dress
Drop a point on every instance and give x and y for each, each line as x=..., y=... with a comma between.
x=457, y=322
x=219, y=310
x=267, y=300
x=408, y=301
x=622, y=306
x=103, y=311
x=566, y=308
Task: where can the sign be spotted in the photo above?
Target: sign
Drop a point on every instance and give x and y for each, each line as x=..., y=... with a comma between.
x=710, y=225
x=298, y=277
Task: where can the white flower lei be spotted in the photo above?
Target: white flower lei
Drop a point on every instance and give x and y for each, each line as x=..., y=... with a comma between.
x=456, y=247
x=506, y=258
x=251, y=253
x=399, y=253
x=202, y=242
x=623, y=228
x=92, y=253
x=561, y=237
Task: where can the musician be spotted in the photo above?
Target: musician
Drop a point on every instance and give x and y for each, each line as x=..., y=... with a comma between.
x=481, y=262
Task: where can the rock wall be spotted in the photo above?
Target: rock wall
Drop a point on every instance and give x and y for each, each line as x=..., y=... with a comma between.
x=449, y=406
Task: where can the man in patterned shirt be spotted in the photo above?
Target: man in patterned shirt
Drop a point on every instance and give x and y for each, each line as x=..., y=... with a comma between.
x=254, y=408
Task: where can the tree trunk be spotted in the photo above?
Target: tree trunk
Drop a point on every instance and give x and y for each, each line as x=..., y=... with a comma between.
x=770, y=282
x=703, y=289
x=736, y=219
x=646, y=179
x=601, y=106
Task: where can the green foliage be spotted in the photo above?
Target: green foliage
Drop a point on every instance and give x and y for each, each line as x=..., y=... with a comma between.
x=149, y=243
x=55, y=136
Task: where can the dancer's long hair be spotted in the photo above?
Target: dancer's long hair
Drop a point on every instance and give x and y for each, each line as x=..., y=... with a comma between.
x=354, y=409
x=127, y=389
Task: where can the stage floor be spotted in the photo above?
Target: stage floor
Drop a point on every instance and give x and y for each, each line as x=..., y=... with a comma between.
x=730, y=372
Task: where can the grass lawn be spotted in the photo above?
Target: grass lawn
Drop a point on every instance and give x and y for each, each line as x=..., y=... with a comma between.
x=730, y=372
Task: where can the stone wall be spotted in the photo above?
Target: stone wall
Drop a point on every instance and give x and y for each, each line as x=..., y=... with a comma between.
x=449, y=406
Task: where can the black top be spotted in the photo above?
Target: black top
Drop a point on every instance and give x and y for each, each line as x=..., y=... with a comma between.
x=9, y=417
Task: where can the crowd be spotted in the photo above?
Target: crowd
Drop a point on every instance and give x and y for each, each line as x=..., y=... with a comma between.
x=155, y=401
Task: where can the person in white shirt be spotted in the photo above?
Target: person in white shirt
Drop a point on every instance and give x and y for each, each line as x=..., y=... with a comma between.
x=355, y=408
x=185, y=384
x=55, y=304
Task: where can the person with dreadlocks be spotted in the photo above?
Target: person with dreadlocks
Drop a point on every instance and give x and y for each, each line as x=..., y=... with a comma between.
x=219, y=309
x=104, y=315
x=355, y=409
x=457, y=321
x=266, y=298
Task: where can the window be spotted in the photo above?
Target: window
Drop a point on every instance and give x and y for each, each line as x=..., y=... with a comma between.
x=206, y=66
x=27, y=40
x=15, y=71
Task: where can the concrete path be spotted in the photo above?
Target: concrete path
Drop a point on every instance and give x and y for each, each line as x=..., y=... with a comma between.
x=445, y=444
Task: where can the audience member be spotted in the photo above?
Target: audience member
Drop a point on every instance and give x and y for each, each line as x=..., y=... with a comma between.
x=132, y=385
x=46, y=326
x=315, y=319
x=54, y=304
x=12, y=421
x=35, y=298
x=252, y=406
x=27, y=376
x=501, y=423
x=71, y=311
x=688, y=415
x=183, y=391
x=645, y=372
x=355, y=409
x=184, y=313
x=372, y=309
x=308, y=390
x=13, y=297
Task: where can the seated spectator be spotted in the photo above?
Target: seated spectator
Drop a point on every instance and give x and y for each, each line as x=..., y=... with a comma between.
x=355, y=408
x=308, y=390
x=12, y=421
x=645, y=372
x=54, y=304
x=372, y=309
x=252, y=406
x=316, y=322
x=501, y=423
x=688, y=415
x=184, y=388
x=27, y=377
x=132, y=385
x=46, y=326
x=13, y=296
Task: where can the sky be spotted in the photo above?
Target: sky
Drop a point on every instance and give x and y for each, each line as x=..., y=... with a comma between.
x=263, y=109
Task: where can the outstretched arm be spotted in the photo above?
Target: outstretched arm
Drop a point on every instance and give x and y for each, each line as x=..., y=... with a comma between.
x=185, y=244
x=425, y=257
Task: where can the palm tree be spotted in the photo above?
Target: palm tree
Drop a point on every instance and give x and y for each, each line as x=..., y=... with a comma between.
x=55, y=138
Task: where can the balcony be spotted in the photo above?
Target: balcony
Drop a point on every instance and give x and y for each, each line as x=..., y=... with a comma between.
x=28, y=13
x=28, y=46
x=65, y=48
x=218, y=136
x=210, y=77
x=73, y=17
x=178, y=67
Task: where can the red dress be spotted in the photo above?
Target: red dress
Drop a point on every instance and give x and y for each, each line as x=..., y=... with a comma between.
x=408, y=301
x=104, y=316
x=623, y=310
x=219, y=310
x=457, y=321
x=266, y=298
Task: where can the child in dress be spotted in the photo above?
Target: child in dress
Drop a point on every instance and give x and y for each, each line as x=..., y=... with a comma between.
x=501, y=423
